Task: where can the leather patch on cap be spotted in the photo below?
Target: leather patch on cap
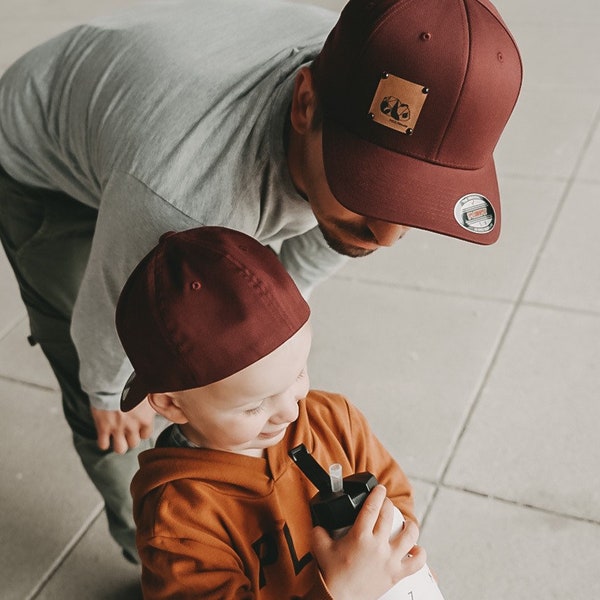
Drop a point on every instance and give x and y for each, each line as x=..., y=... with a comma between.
x=397, y=103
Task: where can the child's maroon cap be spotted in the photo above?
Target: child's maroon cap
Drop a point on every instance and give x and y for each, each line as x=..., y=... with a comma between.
x=415, y=95
x=202, y=305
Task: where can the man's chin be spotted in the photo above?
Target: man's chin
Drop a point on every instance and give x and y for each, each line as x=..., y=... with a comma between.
x=346, y=249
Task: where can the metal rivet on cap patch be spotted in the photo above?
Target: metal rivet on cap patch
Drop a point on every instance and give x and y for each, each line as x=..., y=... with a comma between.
x=384, y=75
x=409, y=131
x=425, y=90
x=196, y=285
x=371, y=116
x=475, y=213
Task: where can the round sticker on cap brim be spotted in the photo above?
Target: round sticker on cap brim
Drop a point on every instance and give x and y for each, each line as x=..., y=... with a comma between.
x=474, y=213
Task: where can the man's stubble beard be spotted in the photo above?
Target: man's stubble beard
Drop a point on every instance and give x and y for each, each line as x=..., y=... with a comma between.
x=345, y=249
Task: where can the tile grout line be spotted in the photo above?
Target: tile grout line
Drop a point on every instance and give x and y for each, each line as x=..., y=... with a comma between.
x=542, y=509
x=420, y=289
x=516, y=305
x=75, y=539
x=516, y=503
x=12, y=325
x=467, y=296
x=37, y=386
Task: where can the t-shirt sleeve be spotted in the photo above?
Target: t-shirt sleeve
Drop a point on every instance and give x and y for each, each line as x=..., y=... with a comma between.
x=130, y=222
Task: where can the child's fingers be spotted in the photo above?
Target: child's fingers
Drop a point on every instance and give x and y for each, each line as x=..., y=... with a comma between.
x=406, y=539
x=369, y=512
x=385, y=519
x=321, y=540
x=414, y=560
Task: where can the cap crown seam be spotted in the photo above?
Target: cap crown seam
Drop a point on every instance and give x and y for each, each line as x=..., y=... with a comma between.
x=440, y=145
x=162, y=310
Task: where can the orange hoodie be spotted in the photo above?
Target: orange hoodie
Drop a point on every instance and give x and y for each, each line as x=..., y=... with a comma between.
x=218, y=525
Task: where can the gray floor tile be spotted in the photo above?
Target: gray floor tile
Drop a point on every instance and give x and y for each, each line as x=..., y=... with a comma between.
x=20, y=35
x=383, y=348
x=424, y=260
x=27, y=23
x=533, y=437
x=423, y=492
x=561, y=55
x=22, y=362
x=45, y=495
x=568, y=274
x=553, y=11
x=590, y=165
x=94, y=570
x=485, y=549
x=12, y=309
x=533, y=144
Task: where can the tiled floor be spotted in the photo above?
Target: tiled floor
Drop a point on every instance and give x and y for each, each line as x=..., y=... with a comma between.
x=478, y=367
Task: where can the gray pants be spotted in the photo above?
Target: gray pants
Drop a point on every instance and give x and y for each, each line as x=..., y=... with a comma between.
x=47, y=237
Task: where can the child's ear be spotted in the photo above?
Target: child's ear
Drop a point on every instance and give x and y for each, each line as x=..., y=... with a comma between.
x=165, y=405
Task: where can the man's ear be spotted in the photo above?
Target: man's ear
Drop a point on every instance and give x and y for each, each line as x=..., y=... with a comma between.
x=304, y=101
x=167, y=406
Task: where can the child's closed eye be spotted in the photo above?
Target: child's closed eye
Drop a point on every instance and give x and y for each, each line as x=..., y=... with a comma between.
x=256, y=410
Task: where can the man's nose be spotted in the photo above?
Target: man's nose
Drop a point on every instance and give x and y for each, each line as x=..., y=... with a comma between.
x=385, y=233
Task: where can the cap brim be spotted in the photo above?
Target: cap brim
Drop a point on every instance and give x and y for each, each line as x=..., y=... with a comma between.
x=379, y=183
x=133, y=393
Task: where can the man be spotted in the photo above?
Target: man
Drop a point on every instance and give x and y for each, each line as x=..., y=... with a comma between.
x=234, y=113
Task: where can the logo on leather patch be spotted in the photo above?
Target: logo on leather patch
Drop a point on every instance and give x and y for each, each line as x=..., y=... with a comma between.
x=397, y=103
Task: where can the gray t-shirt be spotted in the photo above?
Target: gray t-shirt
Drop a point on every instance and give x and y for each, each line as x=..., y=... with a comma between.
x=165, y=117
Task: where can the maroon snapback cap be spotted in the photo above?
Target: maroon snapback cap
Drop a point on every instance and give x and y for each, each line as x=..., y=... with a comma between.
x=415, y=95
x=202, y=305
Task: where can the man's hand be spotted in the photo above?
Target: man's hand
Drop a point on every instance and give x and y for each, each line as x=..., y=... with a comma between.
x=125, y=429
x=365, y=563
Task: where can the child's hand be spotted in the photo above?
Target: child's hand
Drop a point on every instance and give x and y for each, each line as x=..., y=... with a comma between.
x=365, y=563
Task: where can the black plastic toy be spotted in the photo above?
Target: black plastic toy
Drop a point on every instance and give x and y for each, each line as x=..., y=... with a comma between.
x=330, y=508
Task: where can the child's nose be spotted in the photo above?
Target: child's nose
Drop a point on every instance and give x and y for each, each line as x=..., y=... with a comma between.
x=286, y=410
